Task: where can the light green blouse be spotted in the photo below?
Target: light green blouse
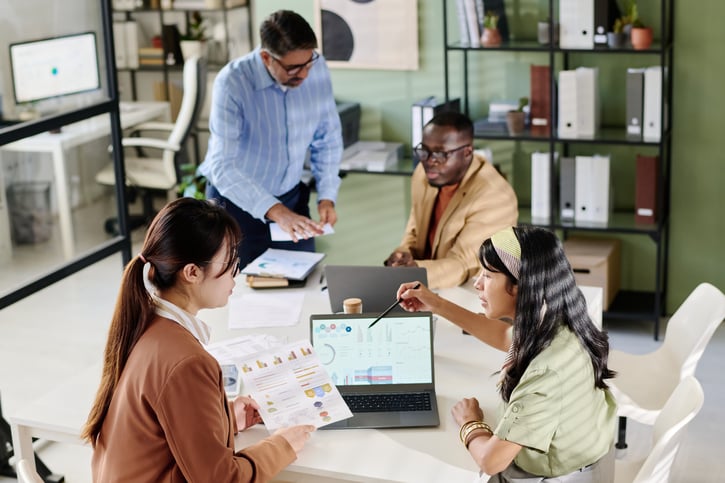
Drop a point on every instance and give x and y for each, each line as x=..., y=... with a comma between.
x=562, y=421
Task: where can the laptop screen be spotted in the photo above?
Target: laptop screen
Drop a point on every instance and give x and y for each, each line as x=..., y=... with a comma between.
x=396, y=350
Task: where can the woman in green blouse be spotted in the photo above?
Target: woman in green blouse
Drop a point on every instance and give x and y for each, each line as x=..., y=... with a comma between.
x=557, y=419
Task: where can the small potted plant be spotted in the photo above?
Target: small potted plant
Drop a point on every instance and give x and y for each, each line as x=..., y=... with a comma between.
x=194, y=41
x=192, y=185
x=516, y=119
x=641, y=36
x=491, y=37
x=616, y=39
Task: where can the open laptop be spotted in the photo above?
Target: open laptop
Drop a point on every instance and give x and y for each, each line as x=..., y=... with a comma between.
x=384, y=373
x=376, y=286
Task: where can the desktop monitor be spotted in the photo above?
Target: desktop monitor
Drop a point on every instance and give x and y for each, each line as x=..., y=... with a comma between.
x=53, y=67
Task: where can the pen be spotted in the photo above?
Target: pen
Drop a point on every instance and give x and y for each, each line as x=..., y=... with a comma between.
x=417, y=286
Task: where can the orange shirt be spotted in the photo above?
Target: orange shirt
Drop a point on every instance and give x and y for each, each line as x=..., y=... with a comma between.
x=445, y=194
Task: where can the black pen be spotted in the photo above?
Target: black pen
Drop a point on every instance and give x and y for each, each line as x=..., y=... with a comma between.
x=417, y=286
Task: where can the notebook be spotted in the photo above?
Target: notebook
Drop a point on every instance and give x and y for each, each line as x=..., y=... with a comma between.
x=383, y=365
x=376, y=286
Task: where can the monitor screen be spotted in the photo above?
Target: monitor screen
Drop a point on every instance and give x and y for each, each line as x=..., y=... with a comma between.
x=54, y=67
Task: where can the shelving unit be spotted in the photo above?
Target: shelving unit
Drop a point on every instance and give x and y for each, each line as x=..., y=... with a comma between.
x=163, y=15
x=628, y=304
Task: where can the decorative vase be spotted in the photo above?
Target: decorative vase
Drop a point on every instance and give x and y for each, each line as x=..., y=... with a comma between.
x=491, y=38
x=515, y=121
x=616, y=40
x=190, y=48
x=543, y=35
x=641, y=38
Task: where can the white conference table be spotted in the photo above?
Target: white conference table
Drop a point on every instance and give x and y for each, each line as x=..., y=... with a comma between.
x=76, y=134
x=464, y=367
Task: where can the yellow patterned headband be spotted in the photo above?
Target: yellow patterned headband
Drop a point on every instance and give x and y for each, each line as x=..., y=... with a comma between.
x=508, y=250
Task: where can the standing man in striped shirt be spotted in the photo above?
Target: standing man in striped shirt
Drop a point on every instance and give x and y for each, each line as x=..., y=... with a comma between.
x=269, y=108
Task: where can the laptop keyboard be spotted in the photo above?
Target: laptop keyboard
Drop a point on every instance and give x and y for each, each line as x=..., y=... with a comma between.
x=371, y=403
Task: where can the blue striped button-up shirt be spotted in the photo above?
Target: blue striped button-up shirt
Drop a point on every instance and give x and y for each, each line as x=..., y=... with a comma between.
x=261, y=132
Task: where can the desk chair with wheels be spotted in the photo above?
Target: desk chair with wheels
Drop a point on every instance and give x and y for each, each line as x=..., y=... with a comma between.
x=669, y=427
x=152, y=174
x=645, y=382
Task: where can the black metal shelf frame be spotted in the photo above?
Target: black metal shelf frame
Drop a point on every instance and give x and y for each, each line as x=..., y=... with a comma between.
x=635, y=304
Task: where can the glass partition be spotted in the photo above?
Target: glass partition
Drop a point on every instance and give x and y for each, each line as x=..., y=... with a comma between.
x=59, y=114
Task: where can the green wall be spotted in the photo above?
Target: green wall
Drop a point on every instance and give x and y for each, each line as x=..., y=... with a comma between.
x=697, y=222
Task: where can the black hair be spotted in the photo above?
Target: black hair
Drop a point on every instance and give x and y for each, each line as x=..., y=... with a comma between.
x=285, y=31
x=456, y=120
x=545, y=278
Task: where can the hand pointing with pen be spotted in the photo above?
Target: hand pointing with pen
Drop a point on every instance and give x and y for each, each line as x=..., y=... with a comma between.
x=416, y=297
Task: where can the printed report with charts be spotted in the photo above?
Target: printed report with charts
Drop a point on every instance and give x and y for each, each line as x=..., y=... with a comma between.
x=291, y=387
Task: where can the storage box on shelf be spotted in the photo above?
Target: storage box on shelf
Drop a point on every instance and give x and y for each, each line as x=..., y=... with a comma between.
x=610, y=139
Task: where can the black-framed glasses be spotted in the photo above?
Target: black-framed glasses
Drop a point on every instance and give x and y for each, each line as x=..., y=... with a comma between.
x=425, y=155
x=296, y=69
x=236, y=268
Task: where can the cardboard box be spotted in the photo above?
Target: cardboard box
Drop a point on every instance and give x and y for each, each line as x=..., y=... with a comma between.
x=173, y=94
x=596, y=262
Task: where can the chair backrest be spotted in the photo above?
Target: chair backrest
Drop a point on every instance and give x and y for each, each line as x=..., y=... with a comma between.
x=682, y=406
x=192, y=101
x=691, y=327
x=26, y=473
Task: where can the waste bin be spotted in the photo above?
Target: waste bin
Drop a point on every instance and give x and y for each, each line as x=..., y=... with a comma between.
x=29, y=207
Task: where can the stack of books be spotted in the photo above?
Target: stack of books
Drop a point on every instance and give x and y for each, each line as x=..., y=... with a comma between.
x=150, y=56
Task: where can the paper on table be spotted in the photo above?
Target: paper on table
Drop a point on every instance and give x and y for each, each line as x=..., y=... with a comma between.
x=278, y=234
x=292, y=387
x=266, y=309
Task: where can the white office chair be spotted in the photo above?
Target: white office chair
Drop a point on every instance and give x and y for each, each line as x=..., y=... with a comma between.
x=26, y=473
x=162, y=173
x=645, y=382
x=682, y=406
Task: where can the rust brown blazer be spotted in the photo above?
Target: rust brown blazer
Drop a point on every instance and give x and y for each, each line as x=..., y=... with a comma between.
x=170, y=421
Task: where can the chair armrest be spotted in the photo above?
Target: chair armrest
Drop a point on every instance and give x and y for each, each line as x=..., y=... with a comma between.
x=153, y=126
x=149, y=143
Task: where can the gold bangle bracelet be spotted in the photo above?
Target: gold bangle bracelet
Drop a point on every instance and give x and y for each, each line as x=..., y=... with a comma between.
x=475, y=435
x=471, y=426
x=464, y=428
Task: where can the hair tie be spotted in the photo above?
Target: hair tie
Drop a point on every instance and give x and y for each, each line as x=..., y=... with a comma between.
x=508, y=250
x=142, y=258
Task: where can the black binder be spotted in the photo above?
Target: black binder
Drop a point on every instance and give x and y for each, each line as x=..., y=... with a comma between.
x=171, y=41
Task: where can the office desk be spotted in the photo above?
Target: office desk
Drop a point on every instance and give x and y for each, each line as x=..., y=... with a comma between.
x=464, y=367
x=73, y=135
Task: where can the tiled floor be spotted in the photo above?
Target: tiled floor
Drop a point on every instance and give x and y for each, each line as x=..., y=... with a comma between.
x=54, y=333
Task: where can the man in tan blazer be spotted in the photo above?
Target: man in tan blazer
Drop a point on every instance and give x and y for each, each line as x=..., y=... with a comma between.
x=458, y=200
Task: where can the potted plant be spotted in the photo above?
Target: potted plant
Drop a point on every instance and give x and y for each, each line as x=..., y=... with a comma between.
x=194, y=42
x=616, y=39
x=491, y=37
x=516, y=119
x=641, y=36
x=192, y=184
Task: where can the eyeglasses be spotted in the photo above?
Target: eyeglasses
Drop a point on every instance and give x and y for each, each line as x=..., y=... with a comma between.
x=425, y=155
x=236, y=268
x=296, y=69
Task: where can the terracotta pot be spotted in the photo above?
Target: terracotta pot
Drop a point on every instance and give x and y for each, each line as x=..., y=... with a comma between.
x=515, y=121
x=491, y=38
x=641, y=38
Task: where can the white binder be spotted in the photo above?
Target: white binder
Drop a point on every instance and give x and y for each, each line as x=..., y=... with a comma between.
x=119, y=44
x=540, y=187
x=567, y=104
x=652, y=128
x=592, y=189
x=587, y=102
x=131, y=44
x=576, y=24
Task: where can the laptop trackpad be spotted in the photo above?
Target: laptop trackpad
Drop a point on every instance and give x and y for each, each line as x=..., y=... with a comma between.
x=368, y=420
